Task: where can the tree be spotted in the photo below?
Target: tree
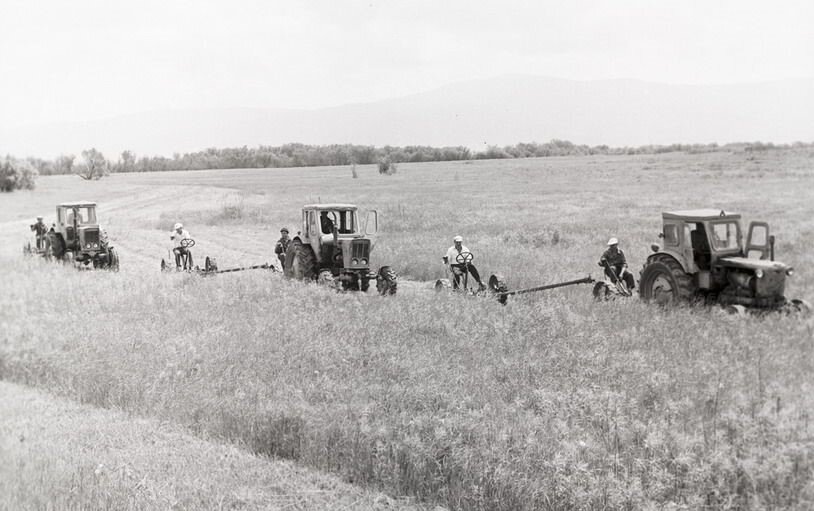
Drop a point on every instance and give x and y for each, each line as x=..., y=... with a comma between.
x=16, y=175
x=64, y=164
x=127, y=163
x=95, y=167
x=387, y=166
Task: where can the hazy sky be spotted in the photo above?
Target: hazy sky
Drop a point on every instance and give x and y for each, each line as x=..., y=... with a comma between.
x=86, y=59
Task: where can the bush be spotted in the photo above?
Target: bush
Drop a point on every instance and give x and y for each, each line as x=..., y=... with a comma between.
x=387, y=166
x=16, y=175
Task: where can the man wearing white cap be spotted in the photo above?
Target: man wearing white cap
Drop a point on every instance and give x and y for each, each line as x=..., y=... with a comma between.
x=459, y=259
x=615, y=265
x=181, y=250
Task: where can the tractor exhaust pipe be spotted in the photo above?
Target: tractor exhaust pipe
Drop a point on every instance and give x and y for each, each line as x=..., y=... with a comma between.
x=771, y=247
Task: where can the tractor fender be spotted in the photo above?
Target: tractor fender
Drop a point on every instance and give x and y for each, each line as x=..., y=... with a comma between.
x=676, y=256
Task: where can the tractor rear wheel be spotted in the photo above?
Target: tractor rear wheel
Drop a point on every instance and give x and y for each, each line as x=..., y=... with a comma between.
x=57, y=246
x=112, y=259
x=300, y=262
x=664, y=281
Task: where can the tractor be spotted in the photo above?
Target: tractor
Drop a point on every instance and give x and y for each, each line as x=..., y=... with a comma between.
x=77, y=236
x=334, y=248
x=704, y=257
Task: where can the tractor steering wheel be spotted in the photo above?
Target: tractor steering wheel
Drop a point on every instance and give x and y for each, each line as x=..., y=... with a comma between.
x=464, y=258
x=187, y=243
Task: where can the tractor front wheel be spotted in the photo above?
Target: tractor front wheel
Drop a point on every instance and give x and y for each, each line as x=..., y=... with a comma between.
x=112, y=259
x=664, y=281
x=300, y=263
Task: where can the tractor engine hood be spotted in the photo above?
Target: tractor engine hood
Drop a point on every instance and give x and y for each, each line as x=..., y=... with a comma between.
x=754, y=264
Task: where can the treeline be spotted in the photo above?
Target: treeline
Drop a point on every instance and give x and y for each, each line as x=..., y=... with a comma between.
x=303, y=155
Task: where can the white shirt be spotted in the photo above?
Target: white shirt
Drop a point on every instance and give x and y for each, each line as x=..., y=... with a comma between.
x=452, y=254
x=176, y=238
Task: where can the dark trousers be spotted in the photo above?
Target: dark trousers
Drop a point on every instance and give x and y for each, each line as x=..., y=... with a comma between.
x=459, y=270
x=281, y=258
x=627, y=277
x=183, y=256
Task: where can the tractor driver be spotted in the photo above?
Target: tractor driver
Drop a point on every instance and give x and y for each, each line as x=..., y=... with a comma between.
x=615, y=265
x=326, y=222
x=181, y=252
x=40, y=229
x=282, y=246
x=459, y=269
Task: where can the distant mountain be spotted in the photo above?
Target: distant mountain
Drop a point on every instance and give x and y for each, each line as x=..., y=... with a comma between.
x=500, y=111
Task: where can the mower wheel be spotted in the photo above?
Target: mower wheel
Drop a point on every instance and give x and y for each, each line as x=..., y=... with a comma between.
x=112, y=259
x=799, y=306
x=210, y=265
x=664, y=281
x=602, y=291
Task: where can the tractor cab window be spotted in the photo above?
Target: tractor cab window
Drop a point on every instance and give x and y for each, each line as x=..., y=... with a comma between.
x=697, y=234
x=671, y=234
x=84, y=215
x=327, y=221
x=345, y=221
x=725, y=235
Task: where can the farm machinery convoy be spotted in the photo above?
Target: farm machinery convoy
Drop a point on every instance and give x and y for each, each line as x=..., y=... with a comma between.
x=704, y=258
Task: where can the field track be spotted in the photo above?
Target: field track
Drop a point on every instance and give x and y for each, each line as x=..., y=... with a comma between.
x=59, y=454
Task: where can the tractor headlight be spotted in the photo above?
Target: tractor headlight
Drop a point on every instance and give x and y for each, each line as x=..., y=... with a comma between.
x=354, y=261
x=95, y=245
x=790, y=272
x=87, y=245
x=363, y=261
x=759, y=273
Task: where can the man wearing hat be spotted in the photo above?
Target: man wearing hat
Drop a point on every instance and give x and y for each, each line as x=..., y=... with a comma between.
x=459, y=268
x=282, y=246
x=40, y=229
x=615, y=265
x=181, y=252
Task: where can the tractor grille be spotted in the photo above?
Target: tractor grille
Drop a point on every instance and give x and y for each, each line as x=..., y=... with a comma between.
x=91, y=236
x=360, y=249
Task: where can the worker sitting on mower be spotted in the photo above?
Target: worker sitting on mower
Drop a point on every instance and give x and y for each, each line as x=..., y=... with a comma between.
x=182, y=242
x=615, y=265
x=459, y=259
x=40, y=229
x=282, y=246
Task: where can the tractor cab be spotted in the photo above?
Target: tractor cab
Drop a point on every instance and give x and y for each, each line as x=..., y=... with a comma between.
x=77, y=234
x=704, y=251
x=76, y=222
x=337, y=238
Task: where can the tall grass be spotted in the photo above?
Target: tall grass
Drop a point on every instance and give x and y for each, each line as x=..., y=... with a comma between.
x=551, y=402
x=546, y=403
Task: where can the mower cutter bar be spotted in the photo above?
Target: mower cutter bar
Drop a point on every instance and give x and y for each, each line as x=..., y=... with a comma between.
x=586, y=280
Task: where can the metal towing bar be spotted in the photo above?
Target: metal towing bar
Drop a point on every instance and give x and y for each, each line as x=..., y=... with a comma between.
x=211, y=268
x=502, y=295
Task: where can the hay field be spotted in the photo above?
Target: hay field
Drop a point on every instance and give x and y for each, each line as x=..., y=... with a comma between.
x=550, y=402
